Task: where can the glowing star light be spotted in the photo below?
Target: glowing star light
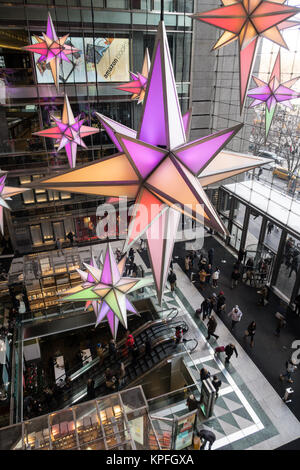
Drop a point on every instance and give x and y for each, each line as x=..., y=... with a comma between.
x=139, y=81
x=272, y=93
x=6, y=192
x=247, y=21
x=106, y=289
x=68, y=132
x=158, y=168
x=52, y=49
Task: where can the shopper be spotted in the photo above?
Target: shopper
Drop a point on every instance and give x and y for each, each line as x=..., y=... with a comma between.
x=270, y=228
x=112, y=349
x=206, y=436
x=58, y=246
x=251, y=330
x=90, y=389
x=192, y=403
x=263, y=296
x=235, y=277
x=221, y=302
x=187, y=265
x=215, y=277
x=211, y=328
x=202, y=277
x=235, y=314
x=204, y=374
x=178, y=335
x=208, y=273
x=241, y=255
x=172, y=278
x=100, y=353
x=130, y=342
x=229, y=350
x=70, y=237
x=281, y=323
x=217, y=383
x=290, y=369
x=206, y=308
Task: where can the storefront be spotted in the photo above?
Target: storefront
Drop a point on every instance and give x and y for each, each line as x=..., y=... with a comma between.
x=265, y=222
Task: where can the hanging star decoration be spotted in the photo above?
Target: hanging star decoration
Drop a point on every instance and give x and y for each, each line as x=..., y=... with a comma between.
x=139, y=81
x=248, y=21
x=6, y=193
x=106, y=289
x=68, y=132
x=272, y=93
x=52, y=49
x=158, y=169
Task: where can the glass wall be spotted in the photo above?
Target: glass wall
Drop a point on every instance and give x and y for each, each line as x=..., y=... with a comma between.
x=289, y=265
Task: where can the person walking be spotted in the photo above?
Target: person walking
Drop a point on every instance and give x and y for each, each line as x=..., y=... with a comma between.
x=221, y=302
x=206, y=308
x=172, y=278
x=206, y=436
x=263, y=296
x=290, y=369
x=270, y=228
x=235, y=314
x=217, y=383
x=211, y=328
x=229, y=350
x=241, y=255
x=58, y=246
x=215, y=277
x=281, y=323
x=251, y=330
x=235, y=277
x=211, y=253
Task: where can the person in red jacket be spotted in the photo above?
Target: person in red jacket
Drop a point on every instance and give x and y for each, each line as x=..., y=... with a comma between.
x=130, y=342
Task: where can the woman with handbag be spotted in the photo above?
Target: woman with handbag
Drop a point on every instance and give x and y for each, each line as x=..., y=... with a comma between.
x=251, y=330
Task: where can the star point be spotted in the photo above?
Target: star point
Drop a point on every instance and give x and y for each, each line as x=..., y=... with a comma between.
x=248, y=21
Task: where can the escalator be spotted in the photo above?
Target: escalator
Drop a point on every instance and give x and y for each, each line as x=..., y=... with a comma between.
x=160, y=332
x=79, y=375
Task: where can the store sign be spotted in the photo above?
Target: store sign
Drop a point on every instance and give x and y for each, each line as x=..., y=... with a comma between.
x=97, y=60
x=184, y=431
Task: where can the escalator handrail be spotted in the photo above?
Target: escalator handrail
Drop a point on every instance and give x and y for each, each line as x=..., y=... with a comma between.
x=191, y=339
x=149, y=324
x=101, y=378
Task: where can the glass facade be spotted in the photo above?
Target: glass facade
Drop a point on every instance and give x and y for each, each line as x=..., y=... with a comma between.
x=28, y=99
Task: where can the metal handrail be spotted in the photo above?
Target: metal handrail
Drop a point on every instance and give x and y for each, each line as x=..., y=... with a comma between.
x=90, y=364
x=191, y=339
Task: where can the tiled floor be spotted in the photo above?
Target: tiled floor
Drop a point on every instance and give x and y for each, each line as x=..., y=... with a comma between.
x=248, y=414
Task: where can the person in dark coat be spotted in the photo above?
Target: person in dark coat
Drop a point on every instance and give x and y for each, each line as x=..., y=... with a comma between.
x=192, y=403
x=206, y=436
x=229, y=350
x=90, y=389
x=217, y=384
x=221, y=302
x=211, y=328
x=251, y=330
x=206, y=308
